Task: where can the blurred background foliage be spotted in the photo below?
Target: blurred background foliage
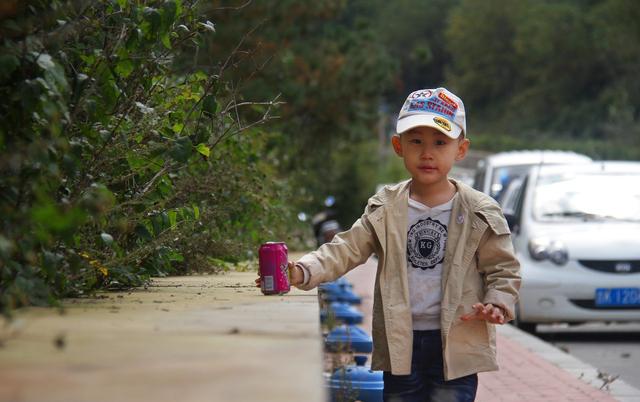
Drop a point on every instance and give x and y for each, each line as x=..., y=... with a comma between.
x=154, y=137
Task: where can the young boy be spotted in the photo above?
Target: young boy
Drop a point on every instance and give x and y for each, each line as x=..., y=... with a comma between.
x=446, y=267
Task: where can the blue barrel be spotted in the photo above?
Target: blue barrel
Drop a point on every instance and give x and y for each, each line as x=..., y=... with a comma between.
x=349, y=338
x=343, y=312
x=356, y=383
x=342, y=281
x=330, y=287
x=339, y=290
x=342, y=294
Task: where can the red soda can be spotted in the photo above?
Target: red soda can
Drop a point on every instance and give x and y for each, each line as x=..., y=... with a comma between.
x=274, y=272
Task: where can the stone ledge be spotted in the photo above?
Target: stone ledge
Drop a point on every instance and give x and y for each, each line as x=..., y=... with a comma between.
x=194, y=338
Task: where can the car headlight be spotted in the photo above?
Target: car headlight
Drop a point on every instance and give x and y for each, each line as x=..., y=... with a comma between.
x=545, y=249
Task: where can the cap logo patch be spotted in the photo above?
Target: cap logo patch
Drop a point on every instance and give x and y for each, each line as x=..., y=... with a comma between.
x=434, y=105
x=448, y=100
x=421, y=94
x=442, y=123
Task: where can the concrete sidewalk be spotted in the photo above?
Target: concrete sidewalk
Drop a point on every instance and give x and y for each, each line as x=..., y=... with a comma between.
x=530, y=369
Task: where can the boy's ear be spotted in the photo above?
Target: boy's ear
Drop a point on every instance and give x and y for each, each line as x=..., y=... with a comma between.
x=397, y=144
x=463, y=147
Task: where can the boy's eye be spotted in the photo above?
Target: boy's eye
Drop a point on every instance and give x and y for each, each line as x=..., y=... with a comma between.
x=415, y=141
x=440, y=142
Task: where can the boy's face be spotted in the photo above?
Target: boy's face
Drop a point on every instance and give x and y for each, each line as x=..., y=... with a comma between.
x=428, y=154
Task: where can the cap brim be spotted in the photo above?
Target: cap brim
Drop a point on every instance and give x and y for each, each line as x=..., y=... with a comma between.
x=426, y=119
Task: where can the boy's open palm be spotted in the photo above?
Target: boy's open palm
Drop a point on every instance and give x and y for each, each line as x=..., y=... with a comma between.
x=486, y=312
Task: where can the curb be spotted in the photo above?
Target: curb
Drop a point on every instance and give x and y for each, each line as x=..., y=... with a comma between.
x=574, y=366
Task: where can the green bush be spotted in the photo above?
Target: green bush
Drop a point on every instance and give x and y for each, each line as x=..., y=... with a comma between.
x=121, y=159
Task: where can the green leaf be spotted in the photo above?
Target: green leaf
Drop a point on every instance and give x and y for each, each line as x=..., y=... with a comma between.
x=169, y=10
x=143, y=232
x=200, y=76
x=153, y=18
x=175, y=256
x=45, y=61
x=109, y=92
x=52, y=220
x=178, y=4
x=159, y=223
x=166, y=40
x=173, y=219
x=105, y=135
x=209, y=104
x=177, y=127
x=122, y=3
x=165, y=187
x=53, y=72
x=106, y=238
x=204, y=150
x=135, y=161
x=89, y=59
x=8, y=64
x=6, y=247
x=134, y=38
x=98, y=199
x=209, y=26
x=124, y=68
x=196, y=212
x=181, y=150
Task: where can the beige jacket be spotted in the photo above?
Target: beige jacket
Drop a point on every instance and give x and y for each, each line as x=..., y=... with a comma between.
x=479, y=266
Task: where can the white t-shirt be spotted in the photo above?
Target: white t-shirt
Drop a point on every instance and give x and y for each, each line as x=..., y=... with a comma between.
x=426, y=243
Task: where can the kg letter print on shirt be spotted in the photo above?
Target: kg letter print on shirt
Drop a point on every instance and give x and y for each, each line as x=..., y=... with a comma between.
x=426, y=241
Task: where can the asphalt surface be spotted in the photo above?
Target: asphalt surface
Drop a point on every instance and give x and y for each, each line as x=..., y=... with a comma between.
x=613, y=348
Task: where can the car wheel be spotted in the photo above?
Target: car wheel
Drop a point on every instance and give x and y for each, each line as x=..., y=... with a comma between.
x=529, y=327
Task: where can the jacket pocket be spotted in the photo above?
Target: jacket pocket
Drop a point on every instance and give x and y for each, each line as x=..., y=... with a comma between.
x=469, y=336
x=496, y=222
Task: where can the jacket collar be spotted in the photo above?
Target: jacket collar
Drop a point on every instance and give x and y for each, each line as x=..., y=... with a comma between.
x=396, y=197
x=392, y=204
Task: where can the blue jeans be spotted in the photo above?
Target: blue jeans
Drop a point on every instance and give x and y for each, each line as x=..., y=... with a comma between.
x=426, y=382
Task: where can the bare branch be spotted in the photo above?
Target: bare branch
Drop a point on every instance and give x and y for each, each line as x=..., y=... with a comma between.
x=151, y=182
x=237, y=48
x=270, y=103
x=265, y=117
x=234, y=8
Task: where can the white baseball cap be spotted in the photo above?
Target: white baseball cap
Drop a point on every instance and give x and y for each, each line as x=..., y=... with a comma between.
x=437, y=108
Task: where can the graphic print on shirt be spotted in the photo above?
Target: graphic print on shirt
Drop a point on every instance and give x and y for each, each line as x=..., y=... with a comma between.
x=426, y=242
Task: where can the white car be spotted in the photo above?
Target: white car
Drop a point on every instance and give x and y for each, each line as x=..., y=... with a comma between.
x=495, y=172
x=576, y=232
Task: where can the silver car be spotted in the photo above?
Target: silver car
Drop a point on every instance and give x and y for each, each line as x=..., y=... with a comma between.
x=496, y=171
x=576, y=232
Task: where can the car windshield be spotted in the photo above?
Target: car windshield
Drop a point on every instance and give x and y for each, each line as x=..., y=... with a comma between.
x=503, y=176
x=588, y=196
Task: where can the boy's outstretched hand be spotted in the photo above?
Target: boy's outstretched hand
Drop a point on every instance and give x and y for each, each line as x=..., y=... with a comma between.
x=296, y=276
x=486, y=312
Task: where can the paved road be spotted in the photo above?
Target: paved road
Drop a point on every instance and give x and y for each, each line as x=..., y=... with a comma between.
x=614, y=349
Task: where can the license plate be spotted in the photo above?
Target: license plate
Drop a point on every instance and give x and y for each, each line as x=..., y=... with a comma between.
x=617, y=297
